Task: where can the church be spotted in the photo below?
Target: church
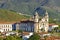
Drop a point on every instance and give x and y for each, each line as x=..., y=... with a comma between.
x=34, y=25
x=42, y=24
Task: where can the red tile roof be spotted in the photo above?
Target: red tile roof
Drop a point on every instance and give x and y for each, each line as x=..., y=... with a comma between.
x=25, y=33
x=52, y=24
x=53, y=38
x=41, y=33
x=7, y=22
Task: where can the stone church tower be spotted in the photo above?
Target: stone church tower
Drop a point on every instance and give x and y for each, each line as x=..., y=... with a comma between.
x=46, y=21
x=39, y=24
x=36, y=22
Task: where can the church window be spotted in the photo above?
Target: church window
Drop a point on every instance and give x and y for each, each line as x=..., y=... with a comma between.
x=42, y=29
x=45, y=20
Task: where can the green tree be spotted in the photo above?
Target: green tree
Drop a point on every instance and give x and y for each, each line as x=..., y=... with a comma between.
x=1, y=38
x=34, y=37
x=9, y=37
x=45, y=37
x=13, y=38
x=17, y=38
x=19, y=31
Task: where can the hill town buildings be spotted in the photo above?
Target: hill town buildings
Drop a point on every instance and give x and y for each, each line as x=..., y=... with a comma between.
x=34, y=25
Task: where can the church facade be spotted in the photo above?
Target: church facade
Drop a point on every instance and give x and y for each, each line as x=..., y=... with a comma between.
x=42, y=24
x=35, y=25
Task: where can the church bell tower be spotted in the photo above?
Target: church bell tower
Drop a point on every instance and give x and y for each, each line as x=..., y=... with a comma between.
x=36, y=21
x=46, y=21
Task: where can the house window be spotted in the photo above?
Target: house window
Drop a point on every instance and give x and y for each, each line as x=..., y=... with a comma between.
x=6, y=25
x=2, y=26
x=6, y=29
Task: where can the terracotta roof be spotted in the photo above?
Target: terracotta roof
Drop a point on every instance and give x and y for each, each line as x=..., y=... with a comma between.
x=53, y=38
x=41, y=33
x=26, y=21
x=7, y=22
x=25, y=33
x=52, y=24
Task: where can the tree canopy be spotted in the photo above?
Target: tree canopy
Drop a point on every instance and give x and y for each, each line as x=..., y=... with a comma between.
x=34, y=37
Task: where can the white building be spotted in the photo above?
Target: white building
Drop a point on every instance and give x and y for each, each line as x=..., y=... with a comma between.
x=4, y=27
x=27, y=35
x=52, y=26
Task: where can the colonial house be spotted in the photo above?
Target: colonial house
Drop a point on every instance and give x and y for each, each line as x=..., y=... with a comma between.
x=52, y=26
x=34, y=25
x=4, y=27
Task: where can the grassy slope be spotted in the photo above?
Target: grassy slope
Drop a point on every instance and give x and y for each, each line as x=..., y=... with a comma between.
x=10, y=16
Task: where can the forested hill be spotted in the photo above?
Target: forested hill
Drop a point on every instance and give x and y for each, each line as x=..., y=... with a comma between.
x=30, y=6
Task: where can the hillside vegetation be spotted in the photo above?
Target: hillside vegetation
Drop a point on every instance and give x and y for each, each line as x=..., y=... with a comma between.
x=10, y=16
x=30, y=7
